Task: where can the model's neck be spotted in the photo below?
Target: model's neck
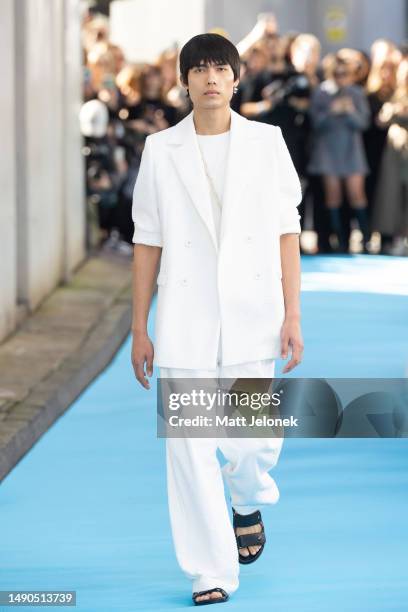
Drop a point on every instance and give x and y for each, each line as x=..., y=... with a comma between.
x=212, y=121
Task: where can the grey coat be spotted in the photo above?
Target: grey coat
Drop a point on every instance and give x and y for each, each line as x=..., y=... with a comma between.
x=337, y=146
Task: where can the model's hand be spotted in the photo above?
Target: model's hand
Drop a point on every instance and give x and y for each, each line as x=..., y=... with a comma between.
x=142, y=353
x=291, y=336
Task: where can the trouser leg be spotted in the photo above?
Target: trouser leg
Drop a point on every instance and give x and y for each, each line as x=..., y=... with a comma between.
x=246, y=472
x=202, y=533
x=249, y=460
x=203, y=537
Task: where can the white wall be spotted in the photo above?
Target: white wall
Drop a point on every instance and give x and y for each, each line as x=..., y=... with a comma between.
x=7, y=172
x=365, y=20
x=144, y=28
x=42, y=218
x=73, y=176
x=43, y=135
x=239, y=17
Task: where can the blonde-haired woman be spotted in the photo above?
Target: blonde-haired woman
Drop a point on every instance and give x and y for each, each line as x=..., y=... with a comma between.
x=390, y=216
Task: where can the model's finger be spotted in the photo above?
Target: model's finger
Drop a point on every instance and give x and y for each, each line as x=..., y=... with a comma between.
x=297, y=353
x=291, y=364
x=149, y=365
x=284, y=346
x=140, y=375
x=294, y=361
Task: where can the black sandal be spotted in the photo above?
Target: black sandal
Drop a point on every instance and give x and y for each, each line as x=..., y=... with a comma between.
x=249, y=539
x=204, y=602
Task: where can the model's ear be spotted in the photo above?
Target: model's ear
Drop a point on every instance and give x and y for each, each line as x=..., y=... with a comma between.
x=184, y=86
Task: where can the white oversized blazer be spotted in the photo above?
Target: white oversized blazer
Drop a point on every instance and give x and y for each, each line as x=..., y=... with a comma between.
x=202, y=287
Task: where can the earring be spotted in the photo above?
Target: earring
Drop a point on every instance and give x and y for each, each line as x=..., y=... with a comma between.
x=187, y=93
x=235, y=90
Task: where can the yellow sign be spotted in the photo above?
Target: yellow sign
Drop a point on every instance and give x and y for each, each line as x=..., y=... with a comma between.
x=335, y=24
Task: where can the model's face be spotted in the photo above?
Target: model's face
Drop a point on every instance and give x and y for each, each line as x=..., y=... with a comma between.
x=211, y=85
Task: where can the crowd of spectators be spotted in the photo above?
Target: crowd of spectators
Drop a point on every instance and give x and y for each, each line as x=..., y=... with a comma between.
x=344, y=117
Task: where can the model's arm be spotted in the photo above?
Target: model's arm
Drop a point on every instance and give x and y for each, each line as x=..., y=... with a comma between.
x=147, y=251
x=290, y=196
x=145, y=264
x=291, y=333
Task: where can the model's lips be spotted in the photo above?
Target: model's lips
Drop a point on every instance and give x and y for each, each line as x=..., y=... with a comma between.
x=212, y=93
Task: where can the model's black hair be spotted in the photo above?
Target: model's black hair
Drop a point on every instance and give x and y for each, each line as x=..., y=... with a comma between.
x=211, y=49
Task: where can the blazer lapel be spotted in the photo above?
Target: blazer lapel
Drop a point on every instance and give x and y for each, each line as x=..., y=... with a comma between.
x=187, y=160
x=241, y=166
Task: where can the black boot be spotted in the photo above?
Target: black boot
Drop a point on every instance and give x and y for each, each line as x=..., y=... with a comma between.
x=362, y=218
x=336, y=223
x=386, y=244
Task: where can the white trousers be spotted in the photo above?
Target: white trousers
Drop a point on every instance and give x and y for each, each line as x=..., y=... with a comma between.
x=202, y=531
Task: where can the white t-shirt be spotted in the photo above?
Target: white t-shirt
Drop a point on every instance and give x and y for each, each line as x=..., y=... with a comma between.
x=214, y=149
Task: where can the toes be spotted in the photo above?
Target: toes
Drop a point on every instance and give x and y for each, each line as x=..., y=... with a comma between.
x=250, y=550
x=214, y=595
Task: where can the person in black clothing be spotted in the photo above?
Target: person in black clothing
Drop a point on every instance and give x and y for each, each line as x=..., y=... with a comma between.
x=254, y=78
x=151, y=113
x=380, y=88
x=285, y=97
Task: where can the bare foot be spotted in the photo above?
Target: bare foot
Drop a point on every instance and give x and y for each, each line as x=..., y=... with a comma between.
x=244, y=530
x=213, y=595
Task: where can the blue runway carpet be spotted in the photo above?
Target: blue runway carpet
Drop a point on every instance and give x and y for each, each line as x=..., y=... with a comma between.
x=86, y=509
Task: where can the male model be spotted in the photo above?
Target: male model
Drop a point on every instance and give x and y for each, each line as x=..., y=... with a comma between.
x=215, y=202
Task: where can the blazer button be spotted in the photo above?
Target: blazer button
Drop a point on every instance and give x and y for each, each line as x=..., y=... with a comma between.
x=257, y=276
x=183, y=281
x=187, y=243
x=249, y=238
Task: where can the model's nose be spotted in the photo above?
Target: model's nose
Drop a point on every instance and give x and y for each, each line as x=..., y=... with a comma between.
x=212, y=76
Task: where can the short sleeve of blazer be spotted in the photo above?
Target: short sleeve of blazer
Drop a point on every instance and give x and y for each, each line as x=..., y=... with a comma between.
x=145, y=213
x=289, y=189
